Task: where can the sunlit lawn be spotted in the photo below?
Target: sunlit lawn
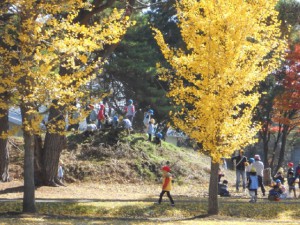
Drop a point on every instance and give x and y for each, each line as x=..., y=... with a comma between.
x=231, y=212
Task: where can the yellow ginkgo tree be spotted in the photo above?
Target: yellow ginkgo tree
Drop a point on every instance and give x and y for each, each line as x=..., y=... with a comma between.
x=46, y=56
x=231, y=45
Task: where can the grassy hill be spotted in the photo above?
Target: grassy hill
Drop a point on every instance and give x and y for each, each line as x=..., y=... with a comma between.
x=112, y=157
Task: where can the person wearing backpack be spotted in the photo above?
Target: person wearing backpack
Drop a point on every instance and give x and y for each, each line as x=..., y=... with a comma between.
x=253, y=185
x=240, y=160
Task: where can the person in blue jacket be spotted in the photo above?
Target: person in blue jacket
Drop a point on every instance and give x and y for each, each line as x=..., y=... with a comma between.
x=253, y=185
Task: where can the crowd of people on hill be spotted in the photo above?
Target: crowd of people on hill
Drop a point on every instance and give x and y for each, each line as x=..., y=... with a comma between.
x=101, y=119
x=251, y=171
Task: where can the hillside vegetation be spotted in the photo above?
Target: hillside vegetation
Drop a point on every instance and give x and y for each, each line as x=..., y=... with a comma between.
x=112, y=157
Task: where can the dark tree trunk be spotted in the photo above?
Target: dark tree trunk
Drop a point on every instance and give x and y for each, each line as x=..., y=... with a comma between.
x=275, y=149
x=29, y=187
x=283, y=145
x=54, y=143
x=4, y=146
x=265, y=135
x=213, y=203
x=38, y=160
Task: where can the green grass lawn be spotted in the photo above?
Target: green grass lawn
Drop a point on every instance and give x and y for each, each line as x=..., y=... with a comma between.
x=231, y=212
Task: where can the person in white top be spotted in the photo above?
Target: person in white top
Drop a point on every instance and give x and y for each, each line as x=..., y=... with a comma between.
x=259, y=166
x=249, y=167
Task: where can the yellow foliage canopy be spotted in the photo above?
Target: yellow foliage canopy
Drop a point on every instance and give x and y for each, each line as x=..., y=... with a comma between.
x=228, y=46
x=45, y=55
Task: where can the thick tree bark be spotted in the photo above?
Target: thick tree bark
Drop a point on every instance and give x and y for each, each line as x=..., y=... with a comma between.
x=283, y=145
x=279, y=133
x=213, y=203
x=265, y=135
x=38, y=160
x=54, y=143
x=29, y=187
x=4, y=146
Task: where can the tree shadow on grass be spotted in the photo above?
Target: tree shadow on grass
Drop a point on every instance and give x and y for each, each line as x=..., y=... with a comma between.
x=12, y=190
x=133, y=212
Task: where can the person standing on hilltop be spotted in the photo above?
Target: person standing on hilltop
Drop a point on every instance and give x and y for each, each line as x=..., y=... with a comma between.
x=101, y=116
x=93, y=115
x=150, y=129
x=240, y=169
x=130, y=110
x=147, y=117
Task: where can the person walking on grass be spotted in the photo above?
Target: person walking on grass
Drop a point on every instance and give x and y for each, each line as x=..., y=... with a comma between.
x=166, y=185
x=259, y=166
x=240, y=161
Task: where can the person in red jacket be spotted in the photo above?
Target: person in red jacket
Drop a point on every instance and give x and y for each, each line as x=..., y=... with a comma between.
x=101, y=116
x=167, y=185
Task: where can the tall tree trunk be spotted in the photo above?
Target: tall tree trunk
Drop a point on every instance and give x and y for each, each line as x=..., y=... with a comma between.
x=4, y=146
x=54, y=143
x=29, y=187
x=283, y=145
x=213, y=203
x=265, y=135
x=38, y=160
x=279, y=133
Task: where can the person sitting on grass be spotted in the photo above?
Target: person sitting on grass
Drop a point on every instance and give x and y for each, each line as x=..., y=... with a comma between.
x=223, y=189
x=167, y=185
x=277, y=192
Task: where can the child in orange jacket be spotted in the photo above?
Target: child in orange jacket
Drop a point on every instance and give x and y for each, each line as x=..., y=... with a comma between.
x=167, y=185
